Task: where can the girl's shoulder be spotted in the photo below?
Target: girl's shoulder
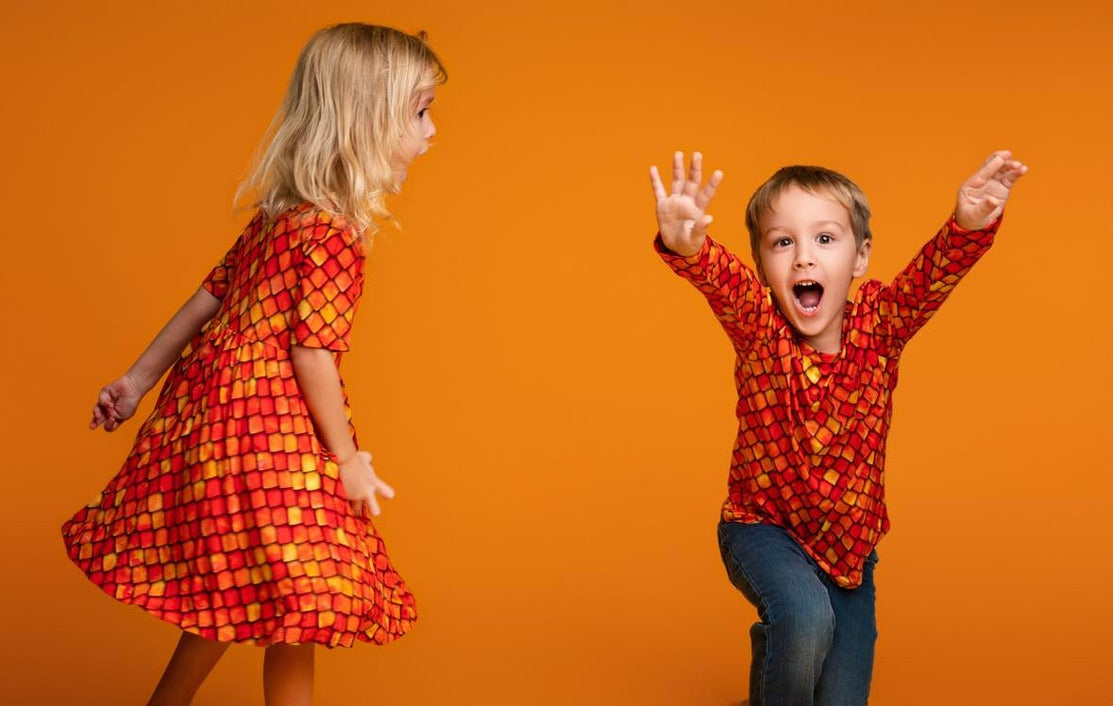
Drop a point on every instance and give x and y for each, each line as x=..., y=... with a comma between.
x=308, y=221
x=307, y=214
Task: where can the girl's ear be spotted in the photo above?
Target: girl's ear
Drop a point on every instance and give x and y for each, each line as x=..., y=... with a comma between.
x=862, y=259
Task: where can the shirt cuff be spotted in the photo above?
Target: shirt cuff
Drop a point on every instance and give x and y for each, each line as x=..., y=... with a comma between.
x=954, y=227
x=676, y=260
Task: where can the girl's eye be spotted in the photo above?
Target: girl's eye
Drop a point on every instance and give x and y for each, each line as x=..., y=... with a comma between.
x=421, y=113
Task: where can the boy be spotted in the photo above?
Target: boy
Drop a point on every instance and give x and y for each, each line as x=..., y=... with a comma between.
x=815, y=375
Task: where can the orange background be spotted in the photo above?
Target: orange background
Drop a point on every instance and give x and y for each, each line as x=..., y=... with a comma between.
x=554, y=407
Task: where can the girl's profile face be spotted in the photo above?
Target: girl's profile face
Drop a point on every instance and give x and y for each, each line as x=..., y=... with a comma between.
x=416, y=141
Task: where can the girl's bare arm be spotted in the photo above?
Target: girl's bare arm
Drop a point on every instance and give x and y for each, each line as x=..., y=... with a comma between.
x=118, y=400
x=319, y=381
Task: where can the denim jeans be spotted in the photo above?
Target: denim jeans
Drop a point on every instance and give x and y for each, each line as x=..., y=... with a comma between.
x=814, y=643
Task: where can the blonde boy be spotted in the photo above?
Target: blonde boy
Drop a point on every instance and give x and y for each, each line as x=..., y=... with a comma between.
x=815, y=375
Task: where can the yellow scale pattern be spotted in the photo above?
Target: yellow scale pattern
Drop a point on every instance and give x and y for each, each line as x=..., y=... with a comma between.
x=810, y=451
x=228, y=518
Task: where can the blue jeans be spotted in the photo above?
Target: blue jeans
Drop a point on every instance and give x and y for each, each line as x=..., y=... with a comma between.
x=814, y=644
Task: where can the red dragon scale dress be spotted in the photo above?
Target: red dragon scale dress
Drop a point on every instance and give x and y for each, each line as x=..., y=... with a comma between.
x=228, y=518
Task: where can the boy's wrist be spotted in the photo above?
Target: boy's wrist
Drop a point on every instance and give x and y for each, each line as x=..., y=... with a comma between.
x=665, y=249
x=961, y=229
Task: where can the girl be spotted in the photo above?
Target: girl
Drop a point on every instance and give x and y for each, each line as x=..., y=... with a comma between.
x=241, y=513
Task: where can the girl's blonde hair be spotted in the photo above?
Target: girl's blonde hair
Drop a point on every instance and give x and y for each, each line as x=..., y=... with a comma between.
x=350, y=103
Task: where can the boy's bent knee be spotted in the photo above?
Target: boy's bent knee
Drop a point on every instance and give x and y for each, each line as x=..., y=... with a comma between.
x=808, y=628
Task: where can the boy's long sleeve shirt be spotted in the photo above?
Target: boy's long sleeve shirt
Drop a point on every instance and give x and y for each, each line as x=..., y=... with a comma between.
x=810, y=451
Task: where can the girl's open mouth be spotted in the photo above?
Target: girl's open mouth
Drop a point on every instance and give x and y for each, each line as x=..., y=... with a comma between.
x=808, y=294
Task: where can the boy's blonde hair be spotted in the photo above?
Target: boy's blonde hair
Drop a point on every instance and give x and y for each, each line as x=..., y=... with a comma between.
x=814, y=180
x=350, y=102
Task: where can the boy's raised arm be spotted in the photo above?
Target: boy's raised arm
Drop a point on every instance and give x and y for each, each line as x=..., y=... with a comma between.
x=920, y=289
x=731, y=288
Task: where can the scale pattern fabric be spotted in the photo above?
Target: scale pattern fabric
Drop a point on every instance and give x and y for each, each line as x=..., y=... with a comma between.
x=228, y=518
x=810, y=451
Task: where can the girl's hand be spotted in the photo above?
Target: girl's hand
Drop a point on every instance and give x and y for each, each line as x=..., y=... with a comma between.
x=681, y=216
x=361, y=485
x=981, y=198
x=116, y=403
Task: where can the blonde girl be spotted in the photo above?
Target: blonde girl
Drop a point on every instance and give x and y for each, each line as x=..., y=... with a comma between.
x=242, y=511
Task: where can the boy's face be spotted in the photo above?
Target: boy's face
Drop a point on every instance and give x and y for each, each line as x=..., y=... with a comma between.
x=807, y=256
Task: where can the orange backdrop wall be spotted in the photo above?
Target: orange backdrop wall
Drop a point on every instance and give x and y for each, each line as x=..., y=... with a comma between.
x=553, y=406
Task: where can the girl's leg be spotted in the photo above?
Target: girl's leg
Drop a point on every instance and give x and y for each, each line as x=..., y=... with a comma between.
x=191, y=662
x=849, y=666
x=288, y=675
x=797, y=624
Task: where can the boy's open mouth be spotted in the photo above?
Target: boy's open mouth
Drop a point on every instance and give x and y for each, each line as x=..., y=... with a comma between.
x=808, y=295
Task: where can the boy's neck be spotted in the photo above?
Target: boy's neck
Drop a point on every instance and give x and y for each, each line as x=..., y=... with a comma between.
x=825, y=343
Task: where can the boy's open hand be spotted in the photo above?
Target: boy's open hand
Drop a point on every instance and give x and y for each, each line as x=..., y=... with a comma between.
x=981, y=198
x=681, y=216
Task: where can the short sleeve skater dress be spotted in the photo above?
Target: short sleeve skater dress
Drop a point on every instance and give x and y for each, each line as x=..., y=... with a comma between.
x=228, y=518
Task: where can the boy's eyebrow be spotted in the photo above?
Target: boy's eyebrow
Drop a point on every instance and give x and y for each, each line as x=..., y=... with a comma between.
x=816, y=223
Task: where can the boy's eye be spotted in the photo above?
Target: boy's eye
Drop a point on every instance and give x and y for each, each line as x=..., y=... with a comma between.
x=782, y=242
x=825, y=238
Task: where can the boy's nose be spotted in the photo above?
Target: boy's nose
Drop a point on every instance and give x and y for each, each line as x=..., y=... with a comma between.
x=804, y=259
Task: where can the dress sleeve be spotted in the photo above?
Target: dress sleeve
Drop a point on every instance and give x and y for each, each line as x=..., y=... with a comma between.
x=221, y=276
x=731, y=288
x=915, y=294
x=217, y=281
x=330, y=271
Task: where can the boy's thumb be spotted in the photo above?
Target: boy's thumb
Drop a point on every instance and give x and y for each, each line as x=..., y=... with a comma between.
x=701, y=227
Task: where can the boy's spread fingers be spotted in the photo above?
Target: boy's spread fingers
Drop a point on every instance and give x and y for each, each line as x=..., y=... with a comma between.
x=695, y=174
x=708, y=191
x=1003, y=154
x=1015, y=171
x=987, y=170
x=677, y=172
x=655, y=182
x=996, y=161
x=715, y=180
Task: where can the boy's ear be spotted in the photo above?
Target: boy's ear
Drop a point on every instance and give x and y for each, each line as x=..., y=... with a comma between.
x=862, y=260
